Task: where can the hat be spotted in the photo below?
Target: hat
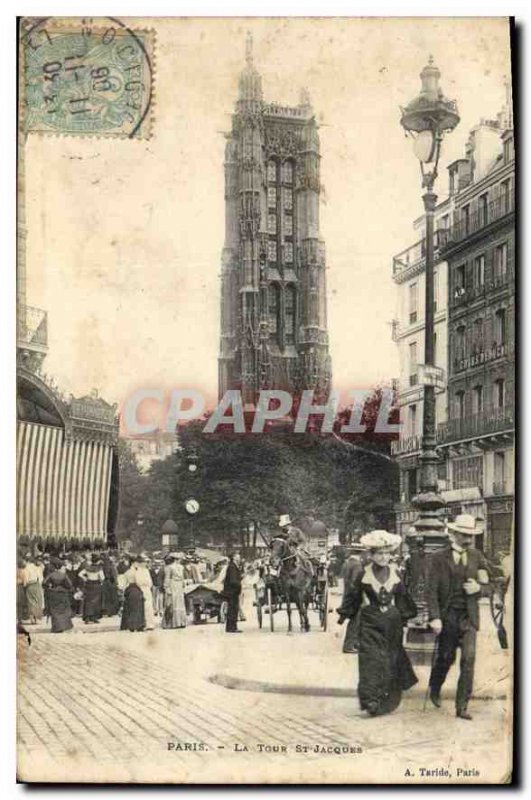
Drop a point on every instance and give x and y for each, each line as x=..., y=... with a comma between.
x=284, y=520
x=377, y=539
x=465, y=523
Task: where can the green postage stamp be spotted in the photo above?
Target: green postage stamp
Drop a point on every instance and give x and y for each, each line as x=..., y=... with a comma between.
x=85, y=77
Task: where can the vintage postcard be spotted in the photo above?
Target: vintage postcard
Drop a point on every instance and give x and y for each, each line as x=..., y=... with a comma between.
x=265, y=400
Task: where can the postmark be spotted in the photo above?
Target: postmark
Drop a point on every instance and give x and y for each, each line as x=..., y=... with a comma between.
x=84, y=77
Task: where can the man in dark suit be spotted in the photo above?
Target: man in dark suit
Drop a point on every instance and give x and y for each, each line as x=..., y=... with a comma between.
x=232, y=586
x=454, y=584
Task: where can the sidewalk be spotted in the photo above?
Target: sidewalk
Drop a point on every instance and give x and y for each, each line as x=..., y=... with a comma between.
x=329, y=672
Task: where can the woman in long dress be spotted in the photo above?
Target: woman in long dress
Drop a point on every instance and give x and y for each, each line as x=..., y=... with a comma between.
x=110, y=601
x=174, y=605
x=22, y=606
x=59, y=593
x=92, y=577
x=34, y=592
x=138, y=573
x=133, y=618
x=384, y=667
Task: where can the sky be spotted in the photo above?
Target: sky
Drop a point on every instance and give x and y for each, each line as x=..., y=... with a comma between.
x=124, y=237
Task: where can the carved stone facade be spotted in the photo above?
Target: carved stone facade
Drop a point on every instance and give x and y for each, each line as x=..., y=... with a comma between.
x=273, y=276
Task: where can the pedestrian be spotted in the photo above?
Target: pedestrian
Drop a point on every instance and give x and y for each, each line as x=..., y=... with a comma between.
x=142, y=579
x=232, y=586
x=174, y=604
x=32, y=579
x=110, y=600
x=22, y=606
x=92, y=577
x=454, y=583
x=157, y=589
x=59, y=592
x=384, y=667
x=133, y=617
x=352, y=568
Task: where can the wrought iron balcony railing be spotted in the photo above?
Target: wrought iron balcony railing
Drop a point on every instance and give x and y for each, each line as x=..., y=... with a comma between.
x=499, y=487
x=489, y=420
x=493, y=211
x=416, y=254
x=409, y=444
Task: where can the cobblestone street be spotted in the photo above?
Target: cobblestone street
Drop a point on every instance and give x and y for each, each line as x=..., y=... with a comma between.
x=148, y=707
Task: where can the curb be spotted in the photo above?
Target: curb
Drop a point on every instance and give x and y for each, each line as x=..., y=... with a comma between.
x=266, y=687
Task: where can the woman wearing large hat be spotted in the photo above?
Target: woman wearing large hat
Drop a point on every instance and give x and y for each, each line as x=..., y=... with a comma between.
x=384, y=668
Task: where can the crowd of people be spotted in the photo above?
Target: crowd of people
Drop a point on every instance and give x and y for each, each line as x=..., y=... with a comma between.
x=144, y=590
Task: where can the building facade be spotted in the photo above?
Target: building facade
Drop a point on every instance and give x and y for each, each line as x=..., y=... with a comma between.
x=475, y=253
x=273, y=277
x=150, y=447
x=478, y=438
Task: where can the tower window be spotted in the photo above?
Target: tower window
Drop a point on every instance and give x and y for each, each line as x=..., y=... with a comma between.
x=271, y=223
x=271, y=172
x=272, y=250
x=288, y=226
x=272, y=196
x=288, y=200
x=289, y=307
x=287, y=172
x=288, y=252
x=273, y=308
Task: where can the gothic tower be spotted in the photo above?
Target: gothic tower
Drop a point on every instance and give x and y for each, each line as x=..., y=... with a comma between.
x=273, y=280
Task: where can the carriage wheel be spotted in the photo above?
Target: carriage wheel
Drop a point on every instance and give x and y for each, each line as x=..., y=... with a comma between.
x=270, y=605
x=323, y=607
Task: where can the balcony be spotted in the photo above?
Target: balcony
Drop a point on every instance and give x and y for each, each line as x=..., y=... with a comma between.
x=481, y=218
x=499, y=487
x=488, y=421
x=410, y=444
x=414, y=256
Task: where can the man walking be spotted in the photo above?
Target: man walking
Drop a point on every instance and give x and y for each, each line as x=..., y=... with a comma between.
x=453, y=591
x=232, y=586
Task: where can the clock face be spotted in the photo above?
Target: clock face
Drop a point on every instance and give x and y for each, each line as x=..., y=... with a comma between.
x=192, y=506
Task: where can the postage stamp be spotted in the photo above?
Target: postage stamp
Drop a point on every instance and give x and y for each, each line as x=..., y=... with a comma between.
x=83, y=77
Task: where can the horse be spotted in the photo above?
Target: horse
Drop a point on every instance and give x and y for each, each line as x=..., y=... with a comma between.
x=295, y=578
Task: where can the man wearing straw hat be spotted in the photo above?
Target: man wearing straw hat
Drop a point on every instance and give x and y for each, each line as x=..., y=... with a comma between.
x=454, y=584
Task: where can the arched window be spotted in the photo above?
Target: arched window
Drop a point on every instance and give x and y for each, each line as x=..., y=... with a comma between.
x=271, y=171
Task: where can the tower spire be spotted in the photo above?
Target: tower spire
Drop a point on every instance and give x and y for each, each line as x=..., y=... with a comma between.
x=249, y=49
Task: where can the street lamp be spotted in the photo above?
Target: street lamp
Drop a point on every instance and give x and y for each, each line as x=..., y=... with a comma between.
x=426, y=119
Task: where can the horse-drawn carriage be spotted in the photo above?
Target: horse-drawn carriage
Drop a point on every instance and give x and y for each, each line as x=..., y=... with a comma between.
x=296, y=575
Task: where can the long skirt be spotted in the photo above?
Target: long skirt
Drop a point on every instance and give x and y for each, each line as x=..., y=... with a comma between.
x=133, y=609
x=384, y=668
x=92, y=595
x=174, y=607
x=34, y=600
x=60, y=608
x=110, y=601
x=22, y=605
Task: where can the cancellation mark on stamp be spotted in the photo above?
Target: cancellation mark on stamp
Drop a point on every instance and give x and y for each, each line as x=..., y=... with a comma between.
x=84, y=78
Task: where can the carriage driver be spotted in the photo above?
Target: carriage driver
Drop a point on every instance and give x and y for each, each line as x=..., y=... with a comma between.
x=293, y=535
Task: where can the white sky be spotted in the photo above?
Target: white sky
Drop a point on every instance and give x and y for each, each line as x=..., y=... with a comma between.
x=125, y=237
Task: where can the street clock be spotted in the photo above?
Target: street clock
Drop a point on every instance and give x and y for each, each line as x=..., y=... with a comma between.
x=192, y=506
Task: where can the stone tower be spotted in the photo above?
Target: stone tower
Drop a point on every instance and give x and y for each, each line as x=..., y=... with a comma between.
x=273, y=280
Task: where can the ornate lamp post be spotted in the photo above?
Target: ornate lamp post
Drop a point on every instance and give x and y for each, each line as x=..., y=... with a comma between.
x=426, y=119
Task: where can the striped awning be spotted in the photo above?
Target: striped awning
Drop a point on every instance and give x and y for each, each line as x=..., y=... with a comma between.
x=63, y=487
